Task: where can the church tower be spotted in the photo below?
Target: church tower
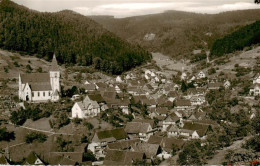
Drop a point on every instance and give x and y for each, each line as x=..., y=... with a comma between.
x=55, y=75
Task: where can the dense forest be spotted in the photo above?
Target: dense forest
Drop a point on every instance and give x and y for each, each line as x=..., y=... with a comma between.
x=246, y=36
x=74, y=38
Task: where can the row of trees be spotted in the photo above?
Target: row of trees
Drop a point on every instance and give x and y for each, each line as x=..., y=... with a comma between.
x=74, y=38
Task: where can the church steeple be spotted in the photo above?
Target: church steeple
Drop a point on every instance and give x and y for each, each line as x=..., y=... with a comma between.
x=54, y=64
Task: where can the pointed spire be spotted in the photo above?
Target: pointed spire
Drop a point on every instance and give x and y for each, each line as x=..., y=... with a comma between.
x=54, y=64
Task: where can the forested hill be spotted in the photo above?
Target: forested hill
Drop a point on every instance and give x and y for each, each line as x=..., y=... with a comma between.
x=74, y=38
x=178, y=33
x=246, y=36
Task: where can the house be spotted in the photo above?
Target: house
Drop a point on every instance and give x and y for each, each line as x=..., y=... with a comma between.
x=214, y=86
x=197, y=100
x=122, y=145
x=183, y=76
x=171, y=119
x=33, y=159
x=195, y=130
x=255, y=90
x=256, y=79
x=201, y=75
x=119, y=79
x=85, y=109
x=150, y=150
x=139, y=129
x=124, y=106
x=102, y=138
x=162, y=111
x=166, y=145
x=40, y=87
x=227, y=84
x=89, y=87
x=172, y=95
x=182, y=104
x=172, y=131
x=189, y=133
x=119, y=157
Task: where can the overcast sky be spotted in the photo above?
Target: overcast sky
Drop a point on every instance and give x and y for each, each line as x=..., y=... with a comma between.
x=125, y=8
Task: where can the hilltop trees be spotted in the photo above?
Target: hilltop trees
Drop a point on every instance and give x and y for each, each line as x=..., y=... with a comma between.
x=237, y=40
x=74, y=38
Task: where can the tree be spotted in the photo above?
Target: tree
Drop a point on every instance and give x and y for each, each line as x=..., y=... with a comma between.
x=89, y=156
x=257, y=1
x=5, y=135
x=183, y=86
x=35, y=136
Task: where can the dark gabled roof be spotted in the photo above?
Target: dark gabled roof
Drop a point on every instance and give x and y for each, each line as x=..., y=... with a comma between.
x=96, y=97
x=90, y=87
x=150, y=150
x=41, y=86
x=200, y=128
x=35, y=78
x=118, y=157
x=136, y=127
x=182, y=102
x=150, y=121
x=115, y=133
x=32, y=158
x=162, y=110
x=214, y=85
x=121, y=145
x=54, y=64
x=166, y=143
x=172, y=117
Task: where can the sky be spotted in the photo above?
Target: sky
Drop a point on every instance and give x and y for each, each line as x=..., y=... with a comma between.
x=126, y=8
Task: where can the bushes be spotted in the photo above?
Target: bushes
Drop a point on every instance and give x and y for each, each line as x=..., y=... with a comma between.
x=5, y=135
x=35, y=136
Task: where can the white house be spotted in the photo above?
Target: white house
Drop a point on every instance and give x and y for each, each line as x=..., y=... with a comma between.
x=183, y=76
x=255, y=90
x=197, y=100
x=257, y=79
x=227, y=84
x=119, y=79
x=40, y=87
x=201, y=74
x=86, y=108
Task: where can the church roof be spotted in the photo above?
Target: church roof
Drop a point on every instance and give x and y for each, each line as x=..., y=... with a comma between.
x=41, y=87
x=54, y=64
x=35, y=78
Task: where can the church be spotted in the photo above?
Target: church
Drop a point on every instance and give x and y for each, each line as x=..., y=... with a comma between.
x=40, y=87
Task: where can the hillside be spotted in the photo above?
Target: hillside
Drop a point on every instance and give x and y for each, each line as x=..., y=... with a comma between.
x=74, y=38
x=246, y=36
x=177, y=33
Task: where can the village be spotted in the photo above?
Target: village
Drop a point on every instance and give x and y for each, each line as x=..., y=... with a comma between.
x=143, y=116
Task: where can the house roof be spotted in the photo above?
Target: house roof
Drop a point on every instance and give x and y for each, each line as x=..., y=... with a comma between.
x=182, y=102
x=137, y=127
x=150, y=121
x=118, y=157
x=115, y=133
x=32, y=158
x=172, y=128
x=150, y=150
x=46, y=86
x=121, y=145
x=166, y=143
x=162, y=110
x=214, y=85
x=96, y=97
x=172, y=117
x=90, y=86
x=35, y=78
x=200, y=128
